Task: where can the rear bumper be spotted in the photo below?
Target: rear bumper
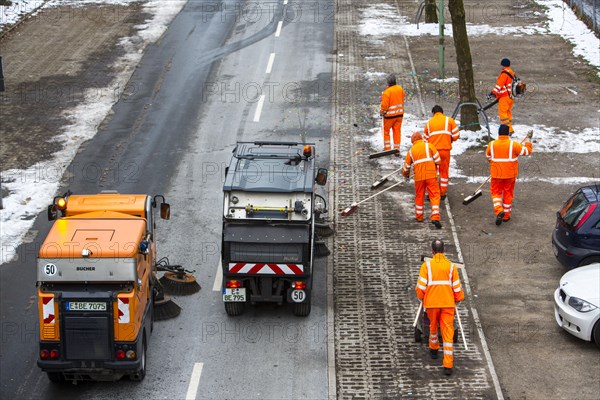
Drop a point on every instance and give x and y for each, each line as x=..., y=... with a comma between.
x=90, y=367
x=560, y=251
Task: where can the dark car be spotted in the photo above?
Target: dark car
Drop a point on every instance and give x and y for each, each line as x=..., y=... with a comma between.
x=576, y=237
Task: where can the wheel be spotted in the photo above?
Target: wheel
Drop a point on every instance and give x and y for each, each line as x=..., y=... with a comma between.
x=141, y=374
x=55, y=377
x=596, y=334
x=589, y=260
x=234, y=309
x=302, y=309
x=418, y=337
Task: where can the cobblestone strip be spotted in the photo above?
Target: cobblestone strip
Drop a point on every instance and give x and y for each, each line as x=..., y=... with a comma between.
x=377, y=250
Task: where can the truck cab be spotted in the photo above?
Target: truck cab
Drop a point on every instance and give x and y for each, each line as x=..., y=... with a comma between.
x=269, y=212
x=95, y=283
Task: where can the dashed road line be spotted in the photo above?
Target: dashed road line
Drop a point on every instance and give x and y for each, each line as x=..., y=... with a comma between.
x=194, y=382
x=259, y=107
x=270, y=63
x=218, y=278
x=279, y=26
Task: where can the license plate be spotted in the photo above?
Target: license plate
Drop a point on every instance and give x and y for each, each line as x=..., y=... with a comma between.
x=86, y=306
x=234, y=295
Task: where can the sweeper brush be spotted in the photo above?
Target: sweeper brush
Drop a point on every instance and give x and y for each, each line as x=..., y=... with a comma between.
x=176, y=280
x=163, y=307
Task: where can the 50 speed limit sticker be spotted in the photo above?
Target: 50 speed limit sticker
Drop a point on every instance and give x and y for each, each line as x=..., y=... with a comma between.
x=298, y=296
x=50, y=269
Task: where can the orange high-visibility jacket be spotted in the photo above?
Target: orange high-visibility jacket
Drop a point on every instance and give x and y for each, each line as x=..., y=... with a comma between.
x=439, y=284
x=392, y=102
x=441, y=131
x=425, y=157
x=503, y=86
x=502, y=154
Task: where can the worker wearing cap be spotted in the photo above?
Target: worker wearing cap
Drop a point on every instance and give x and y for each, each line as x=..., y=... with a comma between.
x=502, y=155
x=441, y=131
x=503, y=92
x=425, y=158
x=439, y=288
x=392, y=111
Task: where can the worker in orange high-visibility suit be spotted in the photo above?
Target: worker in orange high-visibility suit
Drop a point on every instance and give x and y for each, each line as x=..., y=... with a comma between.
x=503, y=92
x=392, y=111
x=426, y=158
x=502, y=154
x=439, y=288
x=441, y=131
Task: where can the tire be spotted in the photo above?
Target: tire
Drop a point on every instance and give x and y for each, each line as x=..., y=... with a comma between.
x=233, y=309
x=302, y=309
x=596, y=334
x=141, y=374
x=55, y=377
x=589, y=260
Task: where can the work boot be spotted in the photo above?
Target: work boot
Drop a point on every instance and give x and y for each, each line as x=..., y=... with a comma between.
x=434, y=353
x=447, y=371
x=506, y=217
x=436, y=223
x=419, y=220
x=499, y=218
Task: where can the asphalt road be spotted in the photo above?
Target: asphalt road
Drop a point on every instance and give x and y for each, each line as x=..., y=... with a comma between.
x=196, y=92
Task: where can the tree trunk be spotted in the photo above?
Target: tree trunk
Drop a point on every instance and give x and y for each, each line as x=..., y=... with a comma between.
x=430, y=12
x=466, y=87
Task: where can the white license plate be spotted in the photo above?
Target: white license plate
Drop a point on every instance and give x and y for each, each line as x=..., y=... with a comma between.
x=86, y=306
x=234, y=295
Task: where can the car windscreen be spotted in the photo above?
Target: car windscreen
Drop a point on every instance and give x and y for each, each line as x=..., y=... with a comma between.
x=574, y=209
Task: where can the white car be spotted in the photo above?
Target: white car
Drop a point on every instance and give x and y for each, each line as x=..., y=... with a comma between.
x=577, y=302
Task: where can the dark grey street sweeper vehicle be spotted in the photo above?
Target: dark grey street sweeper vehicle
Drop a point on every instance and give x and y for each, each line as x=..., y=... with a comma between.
x=270, y=217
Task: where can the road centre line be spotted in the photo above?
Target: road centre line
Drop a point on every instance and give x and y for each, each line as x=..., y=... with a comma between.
x=259, y=107
x=194, y=382
x=270, y=63
x=218, y=278
x=278, y=31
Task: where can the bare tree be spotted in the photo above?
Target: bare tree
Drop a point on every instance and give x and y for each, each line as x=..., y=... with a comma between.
x=466, y=86
x=430, y=12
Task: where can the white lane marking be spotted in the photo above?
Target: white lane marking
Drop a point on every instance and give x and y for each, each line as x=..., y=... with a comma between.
x=259, y=107
x=194, y=382
x=270, y=63
x=484, y=346
x=278, y=31
x=218, y=278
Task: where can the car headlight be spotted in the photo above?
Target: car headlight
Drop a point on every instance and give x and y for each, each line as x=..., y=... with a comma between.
x=581, y=305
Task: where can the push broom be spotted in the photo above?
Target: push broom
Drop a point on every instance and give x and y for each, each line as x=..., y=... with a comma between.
x=354, y=206
x=383, y=180
x=383, y=153
x=478, y=193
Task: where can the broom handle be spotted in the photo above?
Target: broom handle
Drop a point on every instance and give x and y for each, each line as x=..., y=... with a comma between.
x=418, y=314
x=529, y=136
x=392, y=173
x=462, y=332
x=378, y=193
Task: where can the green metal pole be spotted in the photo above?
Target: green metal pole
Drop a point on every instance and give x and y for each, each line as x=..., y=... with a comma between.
x=441, y=40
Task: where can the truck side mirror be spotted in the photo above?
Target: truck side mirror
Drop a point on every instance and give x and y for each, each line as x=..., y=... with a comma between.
x=321, y=178
x=52, y=212
x=165, y=211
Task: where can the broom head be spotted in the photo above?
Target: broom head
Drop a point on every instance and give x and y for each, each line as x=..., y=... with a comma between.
x=378, y=183
x=472, y=198
x=384, y=153
x=179, y=284
x=350, y=210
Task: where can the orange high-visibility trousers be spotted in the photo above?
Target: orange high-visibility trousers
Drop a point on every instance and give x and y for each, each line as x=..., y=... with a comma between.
x=505, y=105
x=433, y=190
x=503, y=192
x=444, y=318
x=394, y=124
x=444, y=169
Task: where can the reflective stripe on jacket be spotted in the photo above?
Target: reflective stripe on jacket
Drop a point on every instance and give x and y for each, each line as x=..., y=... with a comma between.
x=392, y=102
x=439, y=284
x=441, y=131
x=425, y=157
x=503, y=86
x=503, y=154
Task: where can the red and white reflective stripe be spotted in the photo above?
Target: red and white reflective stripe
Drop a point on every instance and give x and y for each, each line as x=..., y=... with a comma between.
x=123, y=306
x=273, y=269
x=48, y=310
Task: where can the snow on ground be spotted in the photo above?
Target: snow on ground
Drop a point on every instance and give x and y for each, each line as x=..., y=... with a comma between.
x=381, y=20
x=31, y=189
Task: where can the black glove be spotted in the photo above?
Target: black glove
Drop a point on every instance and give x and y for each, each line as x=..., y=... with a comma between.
x=489, y=96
